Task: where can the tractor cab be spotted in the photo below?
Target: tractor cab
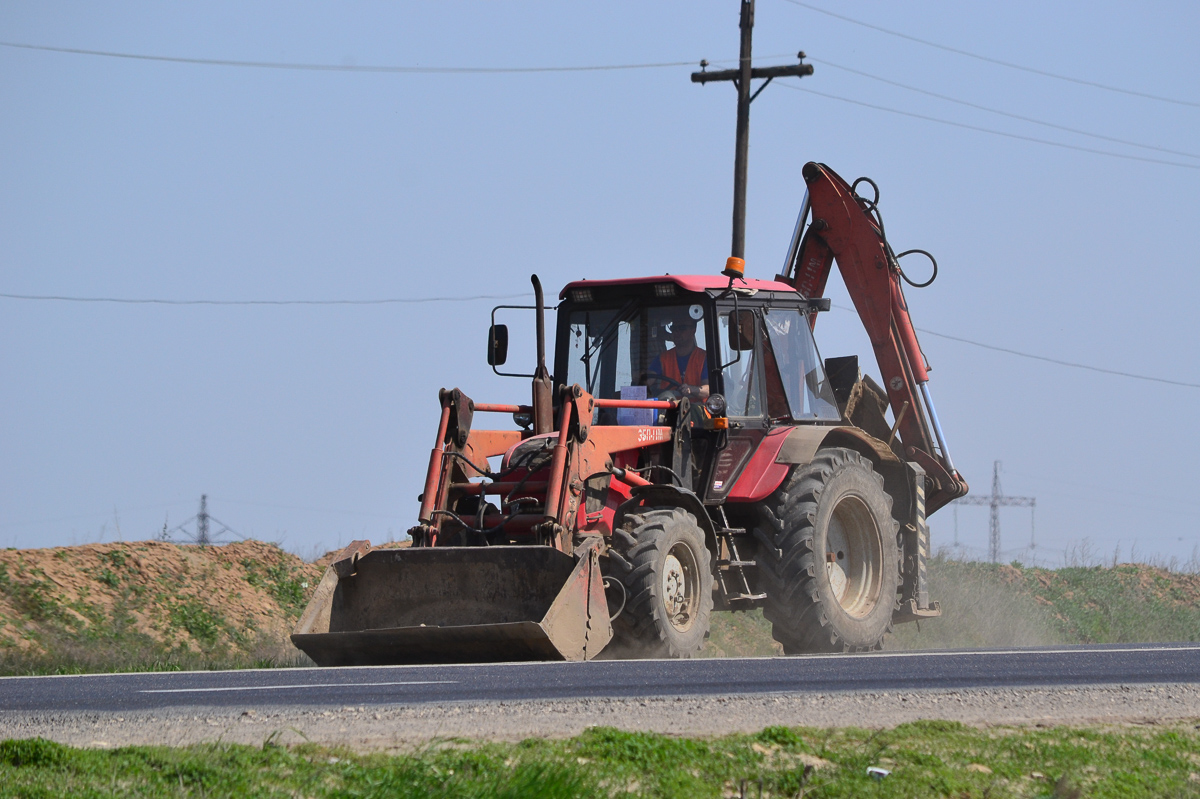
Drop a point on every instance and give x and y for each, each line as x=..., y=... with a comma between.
x=746, y=353
x=743, y=357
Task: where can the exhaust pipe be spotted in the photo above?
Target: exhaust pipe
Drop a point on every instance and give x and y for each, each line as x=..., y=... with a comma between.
x=543, y=388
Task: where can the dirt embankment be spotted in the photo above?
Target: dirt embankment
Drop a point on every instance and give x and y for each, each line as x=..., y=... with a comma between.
x=150, y=604
x=988, y=604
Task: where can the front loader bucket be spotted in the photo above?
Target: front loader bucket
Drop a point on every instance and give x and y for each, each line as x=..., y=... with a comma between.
x=456, y=605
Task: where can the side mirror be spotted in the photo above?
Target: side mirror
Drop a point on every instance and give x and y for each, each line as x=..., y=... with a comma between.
x=741, y=331
x=497, y=352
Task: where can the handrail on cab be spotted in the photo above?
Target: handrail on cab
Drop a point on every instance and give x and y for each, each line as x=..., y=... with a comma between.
x=664, y=405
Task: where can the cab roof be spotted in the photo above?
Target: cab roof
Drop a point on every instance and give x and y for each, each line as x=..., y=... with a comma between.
x=685, y=282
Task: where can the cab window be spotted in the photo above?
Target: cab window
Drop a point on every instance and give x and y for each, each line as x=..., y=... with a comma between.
x=639, y=352
x=797, y=384
x=741, y=375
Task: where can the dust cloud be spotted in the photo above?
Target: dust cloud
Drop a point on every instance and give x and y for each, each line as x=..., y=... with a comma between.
x=976, y=613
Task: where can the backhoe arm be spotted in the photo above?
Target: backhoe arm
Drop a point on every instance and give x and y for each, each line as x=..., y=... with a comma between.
x=843, y=230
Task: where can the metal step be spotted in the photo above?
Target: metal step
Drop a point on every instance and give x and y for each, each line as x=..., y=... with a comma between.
x=734, y=566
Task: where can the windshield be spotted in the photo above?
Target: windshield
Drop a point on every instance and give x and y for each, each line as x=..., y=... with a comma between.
x=639, y=352
x=790, y=343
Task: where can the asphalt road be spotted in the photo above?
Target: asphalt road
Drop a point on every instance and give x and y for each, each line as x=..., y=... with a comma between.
x=415, y=685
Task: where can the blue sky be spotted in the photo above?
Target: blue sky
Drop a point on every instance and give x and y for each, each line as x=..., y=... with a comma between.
x=312, y=424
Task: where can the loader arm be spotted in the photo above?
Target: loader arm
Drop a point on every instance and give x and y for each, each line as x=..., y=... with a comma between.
x=843, y=231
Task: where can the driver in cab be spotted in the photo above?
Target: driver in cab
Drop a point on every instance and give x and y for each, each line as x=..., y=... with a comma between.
x=683, y=369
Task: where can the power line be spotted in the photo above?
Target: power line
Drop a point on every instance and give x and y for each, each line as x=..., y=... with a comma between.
x=653, y=65
x=221, y=62
x=992, y=131
x=1008, y=114
x=413, y=300
x=337, y=511
x=1071, y=364
x=997, y=61
x=99, y=515
x=1047, y=359
x=387, y=301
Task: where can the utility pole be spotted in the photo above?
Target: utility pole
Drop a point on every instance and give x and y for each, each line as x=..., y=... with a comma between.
x=741, y=152
x=741, y=78
x=996, y=501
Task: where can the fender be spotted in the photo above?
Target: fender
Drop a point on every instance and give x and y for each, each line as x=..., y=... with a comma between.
x=762, y=474
x=668, y=496
x=895, y=473
x=802, y=445
x=785, y=447
x=779, y=451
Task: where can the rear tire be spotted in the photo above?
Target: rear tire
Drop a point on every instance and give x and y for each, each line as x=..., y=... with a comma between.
x=661, y=560
x=828, y=556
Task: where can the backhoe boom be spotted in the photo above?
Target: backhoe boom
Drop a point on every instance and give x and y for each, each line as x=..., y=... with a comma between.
x=843, y=230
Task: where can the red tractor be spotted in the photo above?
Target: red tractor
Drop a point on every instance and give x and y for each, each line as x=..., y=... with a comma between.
x=690, y=452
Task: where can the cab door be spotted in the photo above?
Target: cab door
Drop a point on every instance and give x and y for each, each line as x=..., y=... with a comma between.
x=741, y=382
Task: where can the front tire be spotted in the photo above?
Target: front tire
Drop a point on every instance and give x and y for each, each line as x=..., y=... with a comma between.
x=661, y=559
x=828, y=555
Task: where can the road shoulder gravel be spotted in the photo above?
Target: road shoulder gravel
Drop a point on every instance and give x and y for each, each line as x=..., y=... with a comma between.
x=401, y=727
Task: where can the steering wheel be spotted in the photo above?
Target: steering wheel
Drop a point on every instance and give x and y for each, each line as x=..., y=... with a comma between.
x=670, y=381
x=674, y=389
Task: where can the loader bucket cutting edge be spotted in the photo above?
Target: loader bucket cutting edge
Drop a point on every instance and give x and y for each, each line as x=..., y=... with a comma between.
x=457, y=605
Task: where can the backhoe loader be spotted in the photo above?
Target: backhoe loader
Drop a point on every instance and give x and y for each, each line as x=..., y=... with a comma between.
x=690, y=452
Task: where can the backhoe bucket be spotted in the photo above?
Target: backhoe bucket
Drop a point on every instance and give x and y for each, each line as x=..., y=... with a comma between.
x=456, y=605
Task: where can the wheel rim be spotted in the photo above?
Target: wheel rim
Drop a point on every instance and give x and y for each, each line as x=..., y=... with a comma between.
x=854, y=556
x=680, y=587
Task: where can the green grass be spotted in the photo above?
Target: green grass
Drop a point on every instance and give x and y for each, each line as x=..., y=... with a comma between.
x=280, y=580
x=924, y=758
x=202, y=624
x=130, y=655
x=1121, y=604
x=33, y=596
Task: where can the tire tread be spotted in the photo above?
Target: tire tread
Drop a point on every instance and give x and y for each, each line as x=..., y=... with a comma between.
x=640, y=629
x=789, y=564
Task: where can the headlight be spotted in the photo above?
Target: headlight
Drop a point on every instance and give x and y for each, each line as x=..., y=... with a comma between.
x=715, y=404
x=523, y=419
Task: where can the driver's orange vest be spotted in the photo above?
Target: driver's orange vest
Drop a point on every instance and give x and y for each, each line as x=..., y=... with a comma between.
x=694, y=373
